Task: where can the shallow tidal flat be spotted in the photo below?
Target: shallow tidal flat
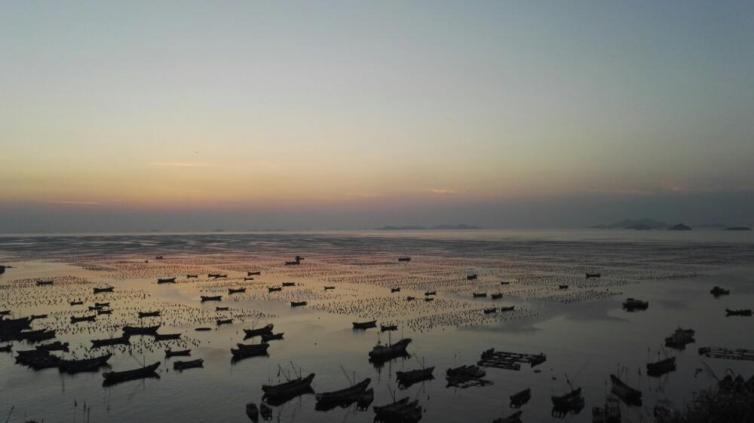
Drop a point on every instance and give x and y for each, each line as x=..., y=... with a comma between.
x=576, y=322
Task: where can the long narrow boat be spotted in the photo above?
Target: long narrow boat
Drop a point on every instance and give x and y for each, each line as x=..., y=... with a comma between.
x=629, y=395
x=121, y=340
x=36, y=335
x=289, y=389
x=91, y=318
x=236, y=290
x=177, y=353
x=166, y=336
x=388, y=328
x=37, y=359
x=570, y=401
x=740, y=312
x=386, y=352
x=221, y=322
x=45, y=283
x=143, y=314
x=249, y=350
x=206, y=298
x=250, y=333
x=166, y=280
x=272, y=336
x=84, y=365
x=6, y=348
x=408, y=378
x=191, y=364
x=717, y=291
x=140, y=330
x=365, y=325
x=53, y=346
x=103, y=290
x=298, y=303
x=112, y=378
x=661, y=367
x=343, y=397
x=520, y=398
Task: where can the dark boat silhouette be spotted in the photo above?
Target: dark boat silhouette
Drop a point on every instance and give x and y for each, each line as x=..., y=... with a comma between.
x=122, y=340
x=250, y=333
x=166, y=280
x=343, y=397
x=661, y=367
x=629, y=395
x=365, y=325
x=249, y=350
x=191, y=364
x=140, y=330
x=84, y=365
x=103, y=290
x=410, y=377
x=112, y=378
x=281, y=393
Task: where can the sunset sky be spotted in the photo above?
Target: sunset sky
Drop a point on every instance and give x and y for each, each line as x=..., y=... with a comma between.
x=199, y=115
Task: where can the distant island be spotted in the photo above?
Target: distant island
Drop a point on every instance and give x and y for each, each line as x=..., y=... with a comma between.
x=680, y=227
x=645, y=224
x=429, y=228
x=738, y=228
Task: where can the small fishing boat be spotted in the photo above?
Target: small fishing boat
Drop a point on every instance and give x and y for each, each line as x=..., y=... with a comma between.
x=191, y=364
x=504, y=283
x=248, y=278
x=36, y=335
x=140, y=330
x=249, y=350
x=746, y=312
x=491, y=310
x=395, y=289
x=271, y=336
x=365, y=325
x=298, y=303
x=289, y=389
x=84, y=365
x=717, y=291
x=37, y=317
x=192, y=276
x=593, y=275
x=45, y=283
x=53, y=346
x=218, y=275
x=402, y=411
x=103, y=290
x=224, y=322
x=404, y=259
x=219, y=308
x=289, y=283
x=250, y=333
x=472, y=277
x=232, y=291
x=166, y=280
x=410, y=298
x=203, y=329
x=680, y=338
x=428, y=293
x=257, y=273
x=479, y=294
x=563, y=286
x=496, y=296
x=429, y=299
x=388, y=328
x=37, y=360
x=342, y=397
x=464, y=376
x=572, y=401
x=410, y=377
x=629, y=395
x=122, y=340
x=507, y=308
x=166, y=336
x=91, y=318
x=274, y=289
x=632, y=304
x=76, y=302
x=520, y=398
x=329, y=287
x=103, y=311
x=382, y=353
x=2, y=269
x=144, y=314
x=513, y=418
x=177, y=353
x=112, y=378
x=206, y=298
x=661, y=367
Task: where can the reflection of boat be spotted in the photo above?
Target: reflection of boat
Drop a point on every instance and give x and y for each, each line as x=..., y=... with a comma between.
x=661, y=367
x=365, y=325
x=250, y=333
x=84, y=365
x=124, y=376
x=520, y=398
x=408, y=378
x=593, y=275
x=386, y=352
x=298, y=303
x=343, y=397
x=628, y=394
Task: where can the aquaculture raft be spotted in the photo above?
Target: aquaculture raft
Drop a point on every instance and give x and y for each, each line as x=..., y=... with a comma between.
x=509, y=360
x=727, y=354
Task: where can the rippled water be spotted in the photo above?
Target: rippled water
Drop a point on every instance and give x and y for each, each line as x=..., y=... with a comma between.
x=582, y=330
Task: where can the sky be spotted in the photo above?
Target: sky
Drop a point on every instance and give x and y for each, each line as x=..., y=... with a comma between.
x=141, y=115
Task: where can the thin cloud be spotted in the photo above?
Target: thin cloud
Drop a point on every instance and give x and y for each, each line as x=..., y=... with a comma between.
x=180, y=164
x=441, y=191
x=75, y=202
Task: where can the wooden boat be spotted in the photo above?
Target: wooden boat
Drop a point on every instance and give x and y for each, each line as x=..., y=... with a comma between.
x=112, y=378
x=166, y=280
x=593, y=275
x=91, y=318
x=218, y=275
x=257, y=273
x=410, y=377
x=206, y=298
x=203, y=329
x=192, y=276
x=513, y=418
x=563, y=286
x=572, y=401
x=404, y=258
x=520, y=398
x=103, y=311
x=224, y=322
x=249, y=350
x=680, y=338
x=661, y=367
x=717, y=291
x=143, y=314
x=388, y=328
x=496, y=296
x=329, y=287
x=289, y=389
x=76, y=302
x=271, y=336
x=84, y=365
x=626, y=393
x=123, y=340
x=472, y=277
x=428, y=293
x=177, y=353
x=101, y=305
x=289, y=284
x=140, y=330
x=462, y=375
x=218, y=308
x=504, y=283
x=396, y=289
x=479, y=295
x=490, y=310
x=274, y=289
x=410, y=298
x=166, y=336
x=53, y=346
x=159, y=257
x=103, y=290
x=45, y=283
x=250, y=333
x=236, y=291
x=342, y=397
x=248, y=278
x=191, y=364
x=508, y=308
x=612, y=410
x=428, y=299
x=298, y=303
x=746, y=312
x=632, y=304
x=386, y=352
x=36, y=335
x=2, y=269
x=365, y=325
